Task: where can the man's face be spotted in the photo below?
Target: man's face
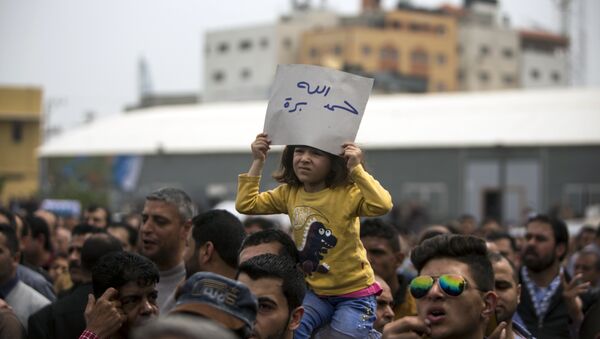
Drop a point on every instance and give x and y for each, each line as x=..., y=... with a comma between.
x=8, y=262
x=97, y=217
x=507, y=289
x=585, y=265
x=381, y=257
x=256, y=250
x=452, y=317
x=122, y=235
x=273, y=315
x=163, y=234
x=385, y=303
x=505, y=248
x=138, y=303
x=75, y=247
x=540, y=250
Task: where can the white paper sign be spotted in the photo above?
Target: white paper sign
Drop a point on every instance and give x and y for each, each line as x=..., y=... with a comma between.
x=316, y=106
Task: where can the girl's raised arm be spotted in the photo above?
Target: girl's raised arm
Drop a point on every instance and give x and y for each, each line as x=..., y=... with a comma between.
x=260, y=147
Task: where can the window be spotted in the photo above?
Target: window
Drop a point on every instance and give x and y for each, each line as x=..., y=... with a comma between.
x=245, y=74
x=264, y=42
x=314, y=52
x=508, y=53
x=440, y=30
x=508, y=79
x=397, y=24
x=419, y=57
x=287, y=43
x=580, y=196
x=555, y=77
x=440, y=87
x=245, y=44
x=223, y=47
x=218, y=76
x=484, y=50
x=337, y=50
x=484, y=77
x=441, y=59
x=535, y=74
x=366, y=50
x=17, y=131
x=388, y=58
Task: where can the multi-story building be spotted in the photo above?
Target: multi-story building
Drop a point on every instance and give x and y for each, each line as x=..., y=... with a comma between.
x=20, y=111
x=416, y=47
x=488, y=51
x=240, y=63
x=544, y=60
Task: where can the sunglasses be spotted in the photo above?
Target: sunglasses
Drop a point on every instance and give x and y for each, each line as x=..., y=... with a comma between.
x=452, y=284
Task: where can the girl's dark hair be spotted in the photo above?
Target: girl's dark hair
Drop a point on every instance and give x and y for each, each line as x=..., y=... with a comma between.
x=338, y=175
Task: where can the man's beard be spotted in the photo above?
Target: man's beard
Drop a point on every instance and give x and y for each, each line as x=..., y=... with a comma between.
x=537, y=263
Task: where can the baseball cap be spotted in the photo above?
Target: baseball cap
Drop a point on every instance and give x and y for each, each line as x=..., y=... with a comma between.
x=213, y=296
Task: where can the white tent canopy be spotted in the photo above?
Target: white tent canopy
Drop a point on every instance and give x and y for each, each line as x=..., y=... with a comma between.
x=483, y=119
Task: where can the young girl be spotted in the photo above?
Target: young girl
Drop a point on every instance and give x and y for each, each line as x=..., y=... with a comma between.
x=323, y=195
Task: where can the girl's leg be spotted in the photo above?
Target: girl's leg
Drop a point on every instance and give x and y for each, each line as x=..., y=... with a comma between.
x=354, y=317
x=317, y=312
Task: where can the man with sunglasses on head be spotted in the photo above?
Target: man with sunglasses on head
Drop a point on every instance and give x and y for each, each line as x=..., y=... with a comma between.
x=454, y=291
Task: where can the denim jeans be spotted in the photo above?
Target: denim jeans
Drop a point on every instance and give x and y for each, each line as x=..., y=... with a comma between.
x=350, y=317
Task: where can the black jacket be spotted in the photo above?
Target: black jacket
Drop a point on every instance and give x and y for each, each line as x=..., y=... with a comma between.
x=63, y=319
x=556, y=322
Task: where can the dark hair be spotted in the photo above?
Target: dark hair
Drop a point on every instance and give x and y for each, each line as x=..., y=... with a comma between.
x=559, y=229
x=11, y=238
x=493, y=236
x=376, y=227
x=92, y=208
x=429, y=233
x=497, y=257
x=281, y=267
x=12, y=221
x=95, y=247
x=288, y=247
x=338, y=175
x=263, y=223
x=118, y=268
x=467, y=249
x=38, y=226
x=221, y=228
x=132, y=233
x=83, y=229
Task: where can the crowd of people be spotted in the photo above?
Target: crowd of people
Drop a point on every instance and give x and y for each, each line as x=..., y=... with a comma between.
x=338, y=271
x=209, y=271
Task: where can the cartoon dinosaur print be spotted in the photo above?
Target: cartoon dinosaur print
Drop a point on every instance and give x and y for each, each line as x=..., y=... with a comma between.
x=319, y=239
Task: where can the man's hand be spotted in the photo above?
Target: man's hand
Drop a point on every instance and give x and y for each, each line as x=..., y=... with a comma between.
x=406, y=328
x=571, y=292
x=104, y=316
x=499, y=332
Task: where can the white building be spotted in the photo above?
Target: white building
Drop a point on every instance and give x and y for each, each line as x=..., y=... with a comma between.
x=544, y=60
x=240, y=63
x=488, y=50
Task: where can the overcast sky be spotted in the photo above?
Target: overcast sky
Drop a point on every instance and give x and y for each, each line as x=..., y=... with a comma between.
x=84, y=53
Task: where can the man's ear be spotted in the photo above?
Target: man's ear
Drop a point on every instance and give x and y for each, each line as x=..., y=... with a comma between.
x=295, y=318
x=489, y=304
x=206, y=252
x=518, y=294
